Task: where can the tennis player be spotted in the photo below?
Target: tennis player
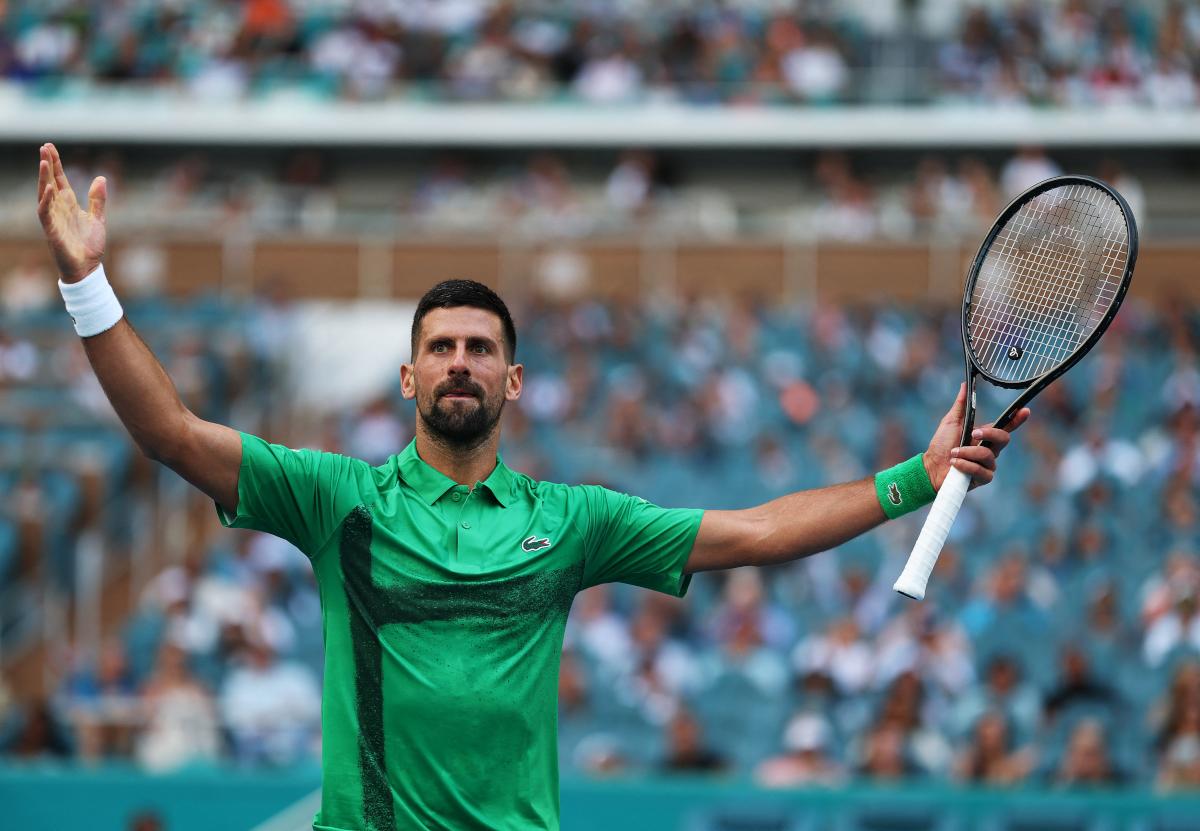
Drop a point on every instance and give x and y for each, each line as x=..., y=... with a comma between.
x=445, y=577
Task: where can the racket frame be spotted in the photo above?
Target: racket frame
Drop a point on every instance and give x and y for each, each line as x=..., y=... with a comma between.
x=1034, y=386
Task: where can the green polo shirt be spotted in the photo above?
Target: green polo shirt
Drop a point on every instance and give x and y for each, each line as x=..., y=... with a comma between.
x=443, y=610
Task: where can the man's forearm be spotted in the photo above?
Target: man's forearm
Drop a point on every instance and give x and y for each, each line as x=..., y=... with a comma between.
x=139, y=389
x=786, y=528
x=804, y=523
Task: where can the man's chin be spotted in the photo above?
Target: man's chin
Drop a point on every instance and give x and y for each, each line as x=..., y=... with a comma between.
x=460, y=426
x=461, y=435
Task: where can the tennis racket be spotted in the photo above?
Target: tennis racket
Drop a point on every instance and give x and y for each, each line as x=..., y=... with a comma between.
x=1046, y=283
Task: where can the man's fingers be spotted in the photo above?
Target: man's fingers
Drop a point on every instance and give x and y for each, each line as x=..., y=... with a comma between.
x=983, y=456
x=979, y=475
x=45, y=187
x=43, y=174
x=994, y=436
x=60, y=175
x=44, y=158
x=47, y=194
x=955, y=415
x=98, y=197
x=1020, y=418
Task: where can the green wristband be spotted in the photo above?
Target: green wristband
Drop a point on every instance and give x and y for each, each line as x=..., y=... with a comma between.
x=904, y=488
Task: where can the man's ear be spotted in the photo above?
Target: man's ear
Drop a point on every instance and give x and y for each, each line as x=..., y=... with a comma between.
x=516, y=379
x=408, y=382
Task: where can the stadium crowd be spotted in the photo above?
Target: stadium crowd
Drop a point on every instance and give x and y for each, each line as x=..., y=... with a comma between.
x=838, y=196
x=1059, y=646
x=745, y=52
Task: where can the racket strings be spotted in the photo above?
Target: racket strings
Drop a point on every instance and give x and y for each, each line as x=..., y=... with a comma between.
x=1047, y=281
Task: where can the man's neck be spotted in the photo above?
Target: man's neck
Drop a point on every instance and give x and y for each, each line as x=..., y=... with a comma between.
x=465, y=465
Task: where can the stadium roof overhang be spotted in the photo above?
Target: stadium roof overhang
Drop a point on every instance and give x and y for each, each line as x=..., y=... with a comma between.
x=125, y=119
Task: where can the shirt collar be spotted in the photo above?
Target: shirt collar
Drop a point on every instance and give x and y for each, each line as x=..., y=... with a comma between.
x=431, y=484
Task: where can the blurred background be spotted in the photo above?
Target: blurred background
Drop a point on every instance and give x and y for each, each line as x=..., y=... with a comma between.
x=734, y=236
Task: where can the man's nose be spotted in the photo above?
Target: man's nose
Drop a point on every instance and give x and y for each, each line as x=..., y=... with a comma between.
x=459, y=364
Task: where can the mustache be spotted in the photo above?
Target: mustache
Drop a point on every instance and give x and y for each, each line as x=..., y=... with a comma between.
x=463, y=386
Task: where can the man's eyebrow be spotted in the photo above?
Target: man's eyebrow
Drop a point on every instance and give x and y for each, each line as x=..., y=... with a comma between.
x=485, y=339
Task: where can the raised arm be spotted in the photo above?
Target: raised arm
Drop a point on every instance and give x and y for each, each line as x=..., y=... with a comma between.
x=806, y=522
x=207, y=455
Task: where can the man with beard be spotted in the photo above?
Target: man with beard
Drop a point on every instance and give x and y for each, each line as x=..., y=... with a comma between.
x=446, y=577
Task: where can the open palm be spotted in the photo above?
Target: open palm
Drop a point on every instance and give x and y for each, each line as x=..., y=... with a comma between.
x=76, y=237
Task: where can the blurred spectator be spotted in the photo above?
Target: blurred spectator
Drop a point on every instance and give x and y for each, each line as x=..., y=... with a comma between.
x=572, y=687
x=1178, y=741
x=964, y=62
x=1028, y=167
x=661, y=672
x=630, y=186
x=181, y=718
x=841, y=654
x=989, y=757
x=1113, y=172
x=909, y=706
x=1005, y=606
x=1086, y=761
x=598, y=631
x=1004, y=692
x=18, y=360
x=744, y=603
x=980, y=200
x=1077, y=685
x=686, y=750
x=270, y=706
x=931, y=190
x=1178, y=628
x=609, y=75
x=847, y=210
x=101, y=701
x=814, y=69
x=918, y=641
x=600, y=754
x=40, y=735
x=1180, y=574
x=28, y=287
x=378, y=432
x=1100, y=455
x=1107, y=632
x=806, y=760
x=146, y=821
x=883, y=758
x=360, y=58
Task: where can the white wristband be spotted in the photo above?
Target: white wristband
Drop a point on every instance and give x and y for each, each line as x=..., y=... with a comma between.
x=91, y=303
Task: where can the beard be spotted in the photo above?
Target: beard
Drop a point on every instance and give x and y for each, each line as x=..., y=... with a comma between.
x=460, y=423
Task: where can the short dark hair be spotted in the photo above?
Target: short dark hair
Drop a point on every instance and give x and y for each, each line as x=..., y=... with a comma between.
x=450, y=294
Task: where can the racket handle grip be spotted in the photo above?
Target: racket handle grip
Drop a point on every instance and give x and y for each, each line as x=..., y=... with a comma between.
x=929, y=544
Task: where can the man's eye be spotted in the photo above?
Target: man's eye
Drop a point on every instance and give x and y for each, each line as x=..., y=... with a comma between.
x=480, y=349
x=440, y=347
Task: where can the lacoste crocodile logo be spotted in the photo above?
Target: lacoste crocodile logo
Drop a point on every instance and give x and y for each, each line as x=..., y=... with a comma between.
x=894, y=493
x=534, y=543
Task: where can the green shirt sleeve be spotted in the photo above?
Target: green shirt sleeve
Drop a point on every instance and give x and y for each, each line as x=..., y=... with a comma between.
x=633, y=541
x=299, y=495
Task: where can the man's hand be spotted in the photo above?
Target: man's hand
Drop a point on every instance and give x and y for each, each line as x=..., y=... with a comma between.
x=977, y=462
x=76, y=237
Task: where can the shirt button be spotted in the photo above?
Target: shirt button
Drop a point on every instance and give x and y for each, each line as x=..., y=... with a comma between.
x=466, y=525
x=456, y=497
